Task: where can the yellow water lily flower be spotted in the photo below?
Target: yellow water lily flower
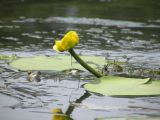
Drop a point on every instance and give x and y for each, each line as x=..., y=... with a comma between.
x=70, y=40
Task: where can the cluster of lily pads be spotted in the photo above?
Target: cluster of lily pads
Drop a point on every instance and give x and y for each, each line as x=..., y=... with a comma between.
x=105, y=84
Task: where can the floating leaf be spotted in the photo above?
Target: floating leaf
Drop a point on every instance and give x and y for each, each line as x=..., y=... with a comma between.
x=57, y=63
x=7, y=57
x=121, y=86
x=129, y=118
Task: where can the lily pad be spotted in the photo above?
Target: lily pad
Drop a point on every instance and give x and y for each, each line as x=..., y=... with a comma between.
x=7, y=57
x=121, y=86
x=57, y=63
x=130, y=118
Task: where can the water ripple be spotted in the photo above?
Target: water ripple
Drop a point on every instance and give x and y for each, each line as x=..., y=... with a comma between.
x=98, y=21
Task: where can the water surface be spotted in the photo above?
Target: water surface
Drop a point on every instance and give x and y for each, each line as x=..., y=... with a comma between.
x=106, y=28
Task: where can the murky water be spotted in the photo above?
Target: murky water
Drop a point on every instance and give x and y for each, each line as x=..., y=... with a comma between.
x=112, y=28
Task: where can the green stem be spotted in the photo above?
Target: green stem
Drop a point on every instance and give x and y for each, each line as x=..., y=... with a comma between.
x=85, y=65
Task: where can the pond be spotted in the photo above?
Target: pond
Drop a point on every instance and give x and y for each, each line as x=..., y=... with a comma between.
x=110, y=28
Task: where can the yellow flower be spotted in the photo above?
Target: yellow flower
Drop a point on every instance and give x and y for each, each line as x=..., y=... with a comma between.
x=70, y=40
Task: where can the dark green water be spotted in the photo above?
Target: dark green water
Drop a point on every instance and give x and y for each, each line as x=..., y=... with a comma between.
x=112, y=27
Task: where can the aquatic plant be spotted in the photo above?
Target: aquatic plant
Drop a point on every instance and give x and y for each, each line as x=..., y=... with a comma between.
x=69, y=41
x=109, y=85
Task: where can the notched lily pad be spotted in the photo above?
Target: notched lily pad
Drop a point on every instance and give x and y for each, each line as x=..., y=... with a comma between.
x=57, y=63
x=121, y=86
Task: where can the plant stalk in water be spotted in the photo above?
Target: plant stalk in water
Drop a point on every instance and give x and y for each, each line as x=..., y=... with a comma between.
x=85, y=65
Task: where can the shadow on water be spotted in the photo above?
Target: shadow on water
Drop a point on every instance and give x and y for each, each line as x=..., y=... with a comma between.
x=124, y=30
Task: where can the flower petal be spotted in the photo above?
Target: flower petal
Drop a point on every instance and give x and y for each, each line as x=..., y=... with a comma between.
x=58, y=46
x=70, y=40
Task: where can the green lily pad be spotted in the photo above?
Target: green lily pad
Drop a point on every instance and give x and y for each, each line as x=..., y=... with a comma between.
x=7, y=57
x=121, y=86
x=57, y=63
x=130, y=118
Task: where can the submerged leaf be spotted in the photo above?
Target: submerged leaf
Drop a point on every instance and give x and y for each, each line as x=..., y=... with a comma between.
x=57, y=63
x=121, y=86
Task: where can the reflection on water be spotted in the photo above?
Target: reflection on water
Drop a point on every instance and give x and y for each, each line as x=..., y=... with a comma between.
x=29, y=28
x=59, y=115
